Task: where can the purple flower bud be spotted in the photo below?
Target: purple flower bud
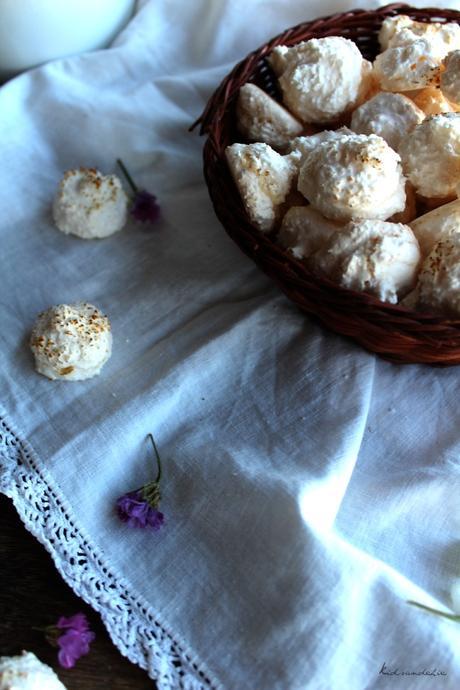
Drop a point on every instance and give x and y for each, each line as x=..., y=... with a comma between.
x=144, y=207
x=78, y=622
x=72, y=645
x=136, y=511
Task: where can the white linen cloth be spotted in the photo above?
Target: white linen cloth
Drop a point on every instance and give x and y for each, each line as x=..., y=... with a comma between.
x=309, y=488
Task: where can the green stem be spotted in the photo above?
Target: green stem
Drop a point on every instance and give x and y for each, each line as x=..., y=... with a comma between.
x=151, y=494
x=157, y=480
x=130, y=180
x=450, y=616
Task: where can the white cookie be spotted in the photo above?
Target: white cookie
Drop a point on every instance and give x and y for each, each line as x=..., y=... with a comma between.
x=261, y=119
x=371, y=256
x=354, y=178
x=390, y=27
x=431, y=101
x=89, y=204
x=436, y=225
x=409, y=211
x=26, y=672
x=402, y=31
x=71, y=342
x=431, y=155
x=304, y=231
x=450, y=77
x=282, y=56
x=301, y=147
x=389, y=115
x=407, y=67
x=438, y=286
x=264, y=178
x=321, y=79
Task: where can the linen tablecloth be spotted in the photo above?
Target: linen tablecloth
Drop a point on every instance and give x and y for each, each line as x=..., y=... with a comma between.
x=309, y=488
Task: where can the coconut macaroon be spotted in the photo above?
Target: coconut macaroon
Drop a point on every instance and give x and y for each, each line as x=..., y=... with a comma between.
x=438, y=286
x=407, y=67
x=402, y=30
x=354, y=178
x=89, y=204
x=71, y=342
x=409, y=211
x=322, y=79
x=413, y=52
x=303, y=231
x=450, y=77
x=26, y=672
x=261, y=119
x=301, y=147
x=431, y=156
x=372, y=256
x=436, y=225
x=390, y=27
x=432, y=101
x=278, y=58
x=264, y=178
x=389, y=115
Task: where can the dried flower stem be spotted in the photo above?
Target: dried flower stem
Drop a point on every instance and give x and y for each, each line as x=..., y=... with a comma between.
x=144, y=206
x=151, y=491
x=450, y=616
x=157, y=454
x=129, y=179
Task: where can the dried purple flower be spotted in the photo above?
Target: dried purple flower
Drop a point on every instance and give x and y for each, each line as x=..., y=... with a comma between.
x=74, y=642
x=72, y=645
x=144, y=206
x=136, y=511
x=77, y=622
x=139, y=508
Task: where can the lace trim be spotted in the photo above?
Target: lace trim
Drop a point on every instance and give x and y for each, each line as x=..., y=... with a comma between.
x=131, y=624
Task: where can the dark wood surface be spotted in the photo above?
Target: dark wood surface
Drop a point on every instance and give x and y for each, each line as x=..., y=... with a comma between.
x=33, y=595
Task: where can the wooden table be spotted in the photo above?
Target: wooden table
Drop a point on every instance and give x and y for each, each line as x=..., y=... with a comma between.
x=33, y=595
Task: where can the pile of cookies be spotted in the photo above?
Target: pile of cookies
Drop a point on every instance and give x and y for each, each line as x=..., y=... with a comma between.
x=357, y=172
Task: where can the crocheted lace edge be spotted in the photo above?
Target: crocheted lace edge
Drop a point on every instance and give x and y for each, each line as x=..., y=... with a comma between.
x=132, y=625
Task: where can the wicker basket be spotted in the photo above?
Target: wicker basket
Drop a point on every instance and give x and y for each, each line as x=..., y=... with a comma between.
x=390, y=331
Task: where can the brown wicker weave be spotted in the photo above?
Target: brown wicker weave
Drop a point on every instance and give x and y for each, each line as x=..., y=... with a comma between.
x=390, y=331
